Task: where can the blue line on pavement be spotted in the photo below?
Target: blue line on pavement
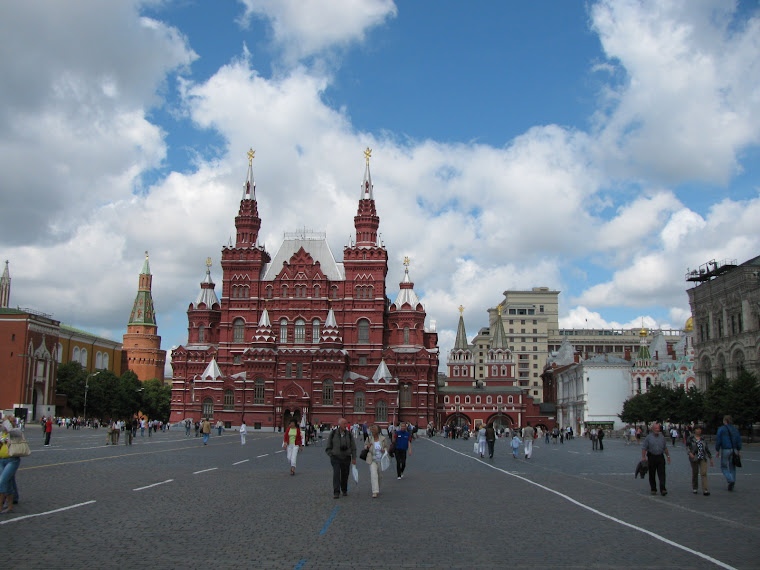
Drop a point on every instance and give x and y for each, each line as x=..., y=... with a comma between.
x=300, y=564
x=329, y=521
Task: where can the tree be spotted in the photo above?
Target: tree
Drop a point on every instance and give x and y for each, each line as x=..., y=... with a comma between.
x=634, y=409
x=744, y=400
x=717, y=401
x=156, y=399
x=691, y=406
x=129, y=396
x=71, y=381
x=660, y=403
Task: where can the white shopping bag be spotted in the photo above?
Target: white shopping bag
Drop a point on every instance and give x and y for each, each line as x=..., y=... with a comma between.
x=355, y=474
x=385, y=461
x=475, y=447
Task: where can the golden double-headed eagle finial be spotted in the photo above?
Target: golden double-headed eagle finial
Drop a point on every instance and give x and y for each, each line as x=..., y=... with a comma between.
x=367, y=154
x=251, y=154
x=461, y=310
x=498, y=309
x=406, y=261
x=146, y=254
x=208, y=262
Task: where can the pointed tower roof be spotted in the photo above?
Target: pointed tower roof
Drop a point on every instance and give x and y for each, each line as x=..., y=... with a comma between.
x=366, y=193
x=249, y=188
x=264, y=332
x=644, y=353
x=406, y=293
x=382, y=374
x=212, y=370
x=207, y=294
x=498, y=336
x=143, y=312
x=461, y=341
x=5, y=288
x=331, y=336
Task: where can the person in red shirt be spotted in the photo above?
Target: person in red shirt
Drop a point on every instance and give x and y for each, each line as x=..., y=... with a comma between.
x=48, y=431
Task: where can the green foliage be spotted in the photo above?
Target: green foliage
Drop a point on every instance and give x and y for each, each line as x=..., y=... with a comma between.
x=717, y=401
x=740, y=398
x=71, y=381
x=744, y=400
x=156, y=399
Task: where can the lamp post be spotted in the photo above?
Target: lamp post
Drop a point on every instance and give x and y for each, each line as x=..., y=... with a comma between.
x=86, y=386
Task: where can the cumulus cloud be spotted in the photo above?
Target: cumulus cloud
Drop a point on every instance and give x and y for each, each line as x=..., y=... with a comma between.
x=302, y=28
x=690, y=100
x=74, y=131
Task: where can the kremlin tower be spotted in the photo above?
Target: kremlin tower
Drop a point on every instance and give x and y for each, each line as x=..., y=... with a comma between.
x=142, y=352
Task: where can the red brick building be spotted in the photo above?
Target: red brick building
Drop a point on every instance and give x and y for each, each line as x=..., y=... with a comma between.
x=498, y=397
x=28, y=360
x=141, y=350
x=301, y=335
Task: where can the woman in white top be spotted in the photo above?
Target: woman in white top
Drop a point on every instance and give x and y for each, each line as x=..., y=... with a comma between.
x=482, y=440
x=243, y=431
x=376, y=446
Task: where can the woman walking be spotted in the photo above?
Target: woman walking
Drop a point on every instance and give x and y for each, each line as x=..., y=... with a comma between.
x=482, y=440
x=293, y=441
x=376, y=445
x=8, y=467
x=243, y=431
x=699, y=453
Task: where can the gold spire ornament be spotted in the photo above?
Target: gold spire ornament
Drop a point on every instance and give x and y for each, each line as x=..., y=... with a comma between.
x=146, y=254
x=406, y=262
x=251, y=154
x=461, y=310
x=208, y=262
x=367, y=154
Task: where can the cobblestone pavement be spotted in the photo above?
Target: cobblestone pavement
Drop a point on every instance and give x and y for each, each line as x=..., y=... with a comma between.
x=170, y=502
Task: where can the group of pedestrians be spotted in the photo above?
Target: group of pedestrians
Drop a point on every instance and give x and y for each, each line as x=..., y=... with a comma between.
x=728, y=445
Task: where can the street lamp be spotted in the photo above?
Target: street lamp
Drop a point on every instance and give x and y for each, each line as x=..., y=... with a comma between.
x=86, y=386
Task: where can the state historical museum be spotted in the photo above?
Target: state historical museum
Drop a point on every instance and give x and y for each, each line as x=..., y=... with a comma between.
x=303, y=336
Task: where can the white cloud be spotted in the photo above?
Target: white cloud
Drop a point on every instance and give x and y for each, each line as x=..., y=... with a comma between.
x=690, y=100
x=302, y=28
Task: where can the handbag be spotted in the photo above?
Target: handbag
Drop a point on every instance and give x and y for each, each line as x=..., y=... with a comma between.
x=363, y=454
x=19, y=449
x=385, y=461
x=475, y=447
x=736, y=459
x=392, y=448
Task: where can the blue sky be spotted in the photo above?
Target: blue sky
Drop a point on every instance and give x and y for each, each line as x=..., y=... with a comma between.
x=598, y=148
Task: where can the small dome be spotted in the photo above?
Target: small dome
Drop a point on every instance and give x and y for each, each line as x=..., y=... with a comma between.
x=689, y=326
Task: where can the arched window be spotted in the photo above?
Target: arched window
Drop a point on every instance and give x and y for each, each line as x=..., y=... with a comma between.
x=510, y=399
x=300, y=330
x=359, y=402
x=208, y=408
x=405, y=398
x=201, y=333
x=489, y=400
x=381, y=411
x=455, y=370
x=334, y=292
x=229, y=400
x=327, y=392
x=299, y=370
x=494, y=370
x=445, y=399
x=499, y=399
x=315, y=333
x=363, y=327
x=284, y=291
x=456, y=399
x=370, y=292
x=59, y=353
x=283, y=331
x=503, y=370
x=406, y=335
x=477, y=399
x=98, y=360
x=288, y=370
x=269, y=291
x=316, y=291
x=83, y=357
x=258, y=391
x=466, y=399
x=238, y=330
x=105, y=361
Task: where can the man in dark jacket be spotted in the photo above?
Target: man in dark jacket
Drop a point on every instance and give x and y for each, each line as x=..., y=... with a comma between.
x=728, y=443
x=342, y=451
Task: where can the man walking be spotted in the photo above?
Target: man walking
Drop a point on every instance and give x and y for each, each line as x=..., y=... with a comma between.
x=527, y=436
x=48, y=431
x=243, y=432
x=403, y=443
x=342, y=451
x=728, y=444
x=654, y=450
